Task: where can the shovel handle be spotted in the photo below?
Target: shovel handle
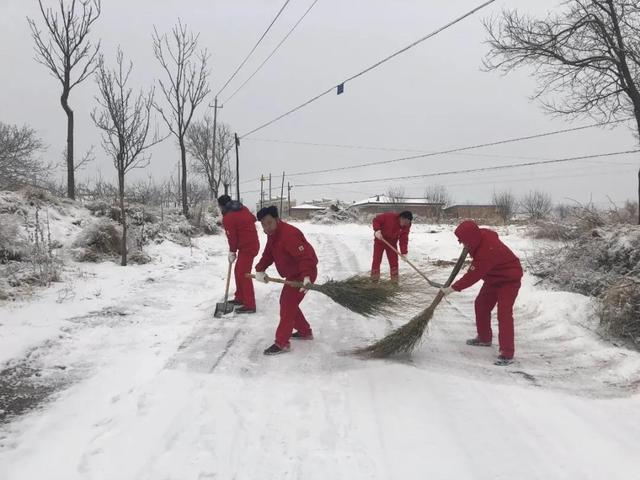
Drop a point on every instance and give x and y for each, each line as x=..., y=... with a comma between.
x=279, y=280
x=430, y=282
x=226, y=289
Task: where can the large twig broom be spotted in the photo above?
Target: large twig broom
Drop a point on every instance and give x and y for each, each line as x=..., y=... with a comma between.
x=406, y=338
x=357, y=293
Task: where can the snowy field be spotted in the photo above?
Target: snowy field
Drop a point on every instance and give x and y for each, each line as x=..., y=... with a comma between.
x=135, y=379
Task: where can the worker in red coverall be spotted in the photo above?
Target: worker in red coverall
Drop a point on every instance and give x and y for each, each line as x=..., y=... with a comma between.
x=242, y=235
x=393, y=227
x=295, y=260
x=501, y=271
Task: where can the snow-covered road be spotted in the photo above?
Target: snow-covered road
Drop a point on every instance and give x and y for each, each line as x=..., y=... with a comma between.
x=143, y=383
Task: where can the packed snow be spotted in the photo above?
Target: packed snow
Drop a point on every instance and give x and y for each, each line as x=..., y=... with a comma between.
x=135, y=379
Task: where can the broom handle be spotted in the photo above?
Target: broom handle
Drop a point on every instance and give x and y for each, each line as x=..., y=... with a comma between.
x=430, y=282
x=452, y=277
x=279, y=280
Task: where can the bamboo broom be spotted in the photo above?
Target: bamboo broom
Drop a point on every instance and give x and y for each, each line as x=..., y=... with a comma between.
x=407, y=337
x=357, y=293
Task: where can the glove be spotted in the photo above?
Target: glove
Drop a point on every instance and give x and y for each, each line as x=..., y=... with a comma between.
x=232, y=257
x=306, y=282
x=378, y=235
x=261, y=277
x=447, y=291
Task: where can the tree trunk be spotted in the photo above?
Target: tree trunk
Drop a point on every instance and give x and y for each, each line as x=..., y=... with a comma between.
x=71, y=183
x=637, y=114
x=123, y=218
x=183, y=165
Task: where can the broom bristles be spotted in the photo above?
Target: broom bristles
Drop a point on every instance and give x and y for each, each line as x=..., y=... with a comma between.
x=360, y=295
x=402, y=340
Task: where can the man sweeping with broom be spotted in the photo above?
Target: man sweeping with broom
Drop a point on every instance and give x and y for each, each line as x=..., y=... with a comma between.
x=242, y=235
x=390, y=227
x=501, y=271
x=295, y=260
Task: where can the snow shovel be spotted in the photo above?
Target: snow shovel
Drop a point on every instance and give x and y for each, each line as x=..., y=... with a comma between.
x=430, y=282
x=225, y=307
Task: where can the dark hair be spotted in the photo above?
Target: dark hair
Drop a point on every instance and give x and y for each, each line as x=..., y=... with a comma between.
x=407, y=214
x=223, y=200
x=272, y=211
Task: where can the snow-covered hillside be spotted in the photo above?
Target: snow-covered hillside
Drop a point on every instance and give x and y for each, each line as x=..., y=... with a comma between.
x=127, y=375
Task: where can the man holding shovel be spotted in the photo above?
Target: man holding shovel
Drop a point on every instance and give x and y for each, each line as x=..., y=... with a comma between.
x=296, y=261
x=240, y=227
x=501, y=271
x=389, y=228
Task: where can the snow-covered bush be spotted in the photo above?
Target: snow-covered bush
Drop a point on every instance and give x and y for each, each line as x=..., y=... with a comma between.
x=13, y=246
x=603, y=263
x=98, y=241
x=620, y=310
x=335, y=214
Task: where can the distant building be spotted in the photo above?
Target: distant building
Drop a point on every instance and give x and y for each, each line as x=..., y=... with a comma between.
x=304, y=211
x=382, y=203
x=489, y=213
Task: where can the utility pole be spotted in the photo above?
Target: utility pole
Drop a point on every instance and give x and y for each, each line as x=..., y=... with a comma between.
x=289, y=199
x=237, y=168
x=281, y=193
x=215, y=132
x=270, y=195
x=261, y=191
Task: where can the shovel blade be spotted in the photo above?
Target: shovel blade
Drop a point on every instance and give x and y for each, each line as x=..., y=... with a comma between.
x=223, y=309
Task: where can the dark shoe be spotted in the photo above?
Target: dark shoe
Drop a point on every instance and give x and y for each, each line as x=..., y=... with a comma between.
x=475, y=342
x=503, y=361
x=244, y=310
x=275, y=350
x=234, y=302
x=299, y=336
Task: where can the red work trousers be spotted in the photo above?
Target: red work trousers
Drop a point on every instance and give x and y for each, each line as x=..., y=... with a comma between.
x=244, y=286
x=504, y=295
x=290, y=315
x=378, y=249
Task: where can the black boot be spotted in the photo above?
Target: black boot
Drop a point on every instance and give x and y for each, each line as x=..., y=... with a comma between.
x=475, y=342
x=275, y=350
x=245, y=310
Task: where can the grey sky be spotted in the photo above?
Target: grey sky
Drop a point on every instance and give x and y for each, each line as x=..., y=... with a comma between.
x=433, y=97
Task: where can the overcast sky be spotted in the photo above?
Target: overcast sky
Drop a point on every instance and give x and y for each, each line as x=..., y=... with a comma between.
x=433, y=97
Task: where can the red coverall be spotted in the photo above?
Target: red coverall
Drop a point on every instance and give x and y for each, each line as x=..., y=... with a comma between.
x=295, y=259
x=389, y=224
x=240, y=227
x=501, y=271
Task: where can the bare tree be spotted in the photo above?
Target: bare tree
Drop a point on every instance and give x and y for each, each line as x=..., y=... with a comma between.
x=125, y=124
x=214, y=168
x=18, y=163
x=506, y=204
x=537, y=205
x=589, y=53
x=185, y=87
x=437, y=194
x=64, y=48
x=395, y=194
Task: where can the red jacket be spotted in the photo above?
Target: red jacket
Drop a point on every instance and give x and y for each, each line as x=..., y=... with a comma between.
x=240, y=227
x=493, y=261
x=389, y=224
x=291, y=252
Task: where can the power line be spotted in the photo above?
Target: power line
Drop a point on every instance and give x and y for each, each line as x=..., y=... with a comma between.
x=372, y=67
x=272, y=53
x=475, y=170
x=254, y=47
x=465, y=171
x=458, y=149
